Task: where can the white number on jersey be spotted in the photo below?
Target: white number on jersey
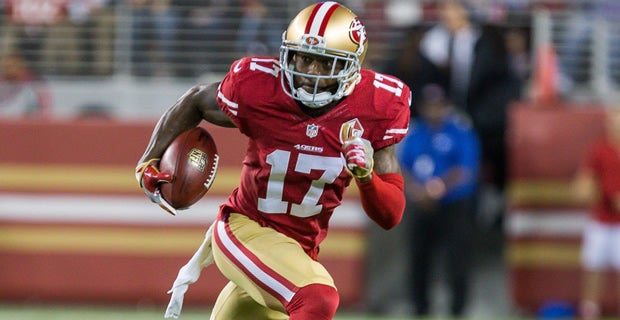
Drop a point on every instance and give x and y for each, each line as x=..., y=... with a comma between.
x=309, y=206
x=265, y=65
x=390, y=84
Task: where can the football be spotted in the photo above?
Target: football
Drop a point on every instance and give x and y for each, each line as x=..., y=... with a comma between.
x=192, y=159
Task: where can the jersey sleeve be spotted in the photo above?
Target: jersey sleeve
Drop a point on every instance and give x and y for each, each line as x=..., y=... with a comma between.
x=394, y=102
x=591, y=160
x=249, y=84
x=229, y=93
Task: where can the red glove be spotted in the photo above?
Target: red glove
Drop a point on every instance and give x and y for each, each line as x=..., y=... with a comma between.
x=149, y=177
x=358, y=154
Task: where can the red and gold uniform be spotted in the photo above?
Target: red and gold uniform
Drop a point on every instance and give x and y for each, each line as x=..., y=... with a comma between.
x=601, y=238
x=315, y=121
x=293, y=174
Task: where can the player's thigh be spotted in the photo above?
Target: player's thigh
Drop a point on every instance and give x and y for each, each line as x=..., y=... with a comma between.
x=266, y=264
x=234, y=303
x=595, y=243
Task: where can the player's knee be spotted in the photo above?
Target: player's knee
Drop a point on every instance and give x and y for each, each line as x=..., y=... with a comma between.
x=315, y=301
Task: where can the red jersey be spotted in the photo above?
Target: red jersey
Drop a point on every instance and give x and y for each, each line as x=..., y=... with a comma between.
x=604, y=161
x=293, y=174
x=37, y=12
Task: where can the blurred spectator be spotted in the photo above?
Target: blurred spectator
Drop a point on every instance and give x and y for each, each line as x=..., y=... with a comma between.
x=586, y=16
x=22, y=92
x=403, y=13
x=260, y=29
x=440, y=162
x=488, y=11
x=597, y=182
x=154, y=29
x=472, y=63
x=518, y=53
x=85, y=18
x=201, y=45
x=32, y=19
x=407, y=64
x=248, y=39
x=63, y=37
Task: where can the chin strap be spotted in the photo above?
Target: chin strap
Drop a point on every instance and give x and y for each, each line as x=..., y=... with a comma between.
x=189, y=274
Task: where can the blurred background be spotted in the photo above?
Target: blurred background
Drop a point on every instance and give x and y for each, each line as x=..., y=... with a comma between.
x=82, y=83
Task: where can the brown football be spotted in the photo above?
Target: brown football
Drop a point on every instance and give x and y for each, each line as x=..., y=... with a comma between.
x=192, y=159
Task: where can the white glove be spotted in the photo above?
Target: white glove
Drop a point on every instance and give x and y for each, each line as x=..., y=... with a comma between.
x=189, y=274
x=358, y=155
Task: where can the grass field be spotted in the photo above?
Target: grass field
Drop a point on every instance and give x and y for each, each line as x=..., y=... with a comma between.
x=37, y=312
x=55, y=312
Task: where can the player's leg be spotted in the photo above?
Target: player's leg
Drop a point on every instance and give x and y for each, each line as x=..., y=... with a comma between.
x=594, y=258
x=273, y=269
x=457, y=223
x=422, y=245
x=234, y=303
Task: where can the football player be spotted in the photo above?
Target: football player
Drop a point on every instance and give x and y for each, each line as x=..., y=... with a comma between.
x=596, y=184
x=316, y=121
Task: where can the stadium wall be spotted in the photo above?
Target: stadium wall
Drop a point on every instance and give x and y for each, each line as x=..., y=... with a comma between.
x=544, y=222
x=75, y=227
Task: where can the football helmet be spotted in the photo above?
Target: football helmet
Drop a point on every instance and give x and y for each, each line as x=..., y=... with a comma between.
x=330, y=30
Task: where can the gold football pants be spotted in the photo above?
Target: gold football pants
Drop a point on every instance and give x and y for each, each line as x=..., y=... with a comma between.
x=265, y=269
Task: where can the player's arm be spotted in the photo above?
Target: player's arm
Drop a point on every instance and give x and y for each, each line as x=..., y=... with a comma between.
x=379, y=180
x=584, y=186
x=197, y=104
x=386, y=161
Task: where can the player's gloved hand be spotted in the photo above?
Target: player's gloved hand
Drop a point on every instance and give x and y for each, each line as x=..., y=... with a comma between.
x=358, y=155
x=149, y=177
x=189, y=274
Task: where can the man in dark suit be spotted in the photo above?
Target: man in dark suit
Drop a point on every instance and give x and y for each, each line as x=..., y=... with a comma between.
x=472, y=64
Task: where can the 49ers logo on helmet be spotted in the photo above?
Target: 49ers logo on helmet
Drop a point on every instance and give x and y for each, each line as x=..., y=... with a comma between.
x=312, y=41
x=357, y=31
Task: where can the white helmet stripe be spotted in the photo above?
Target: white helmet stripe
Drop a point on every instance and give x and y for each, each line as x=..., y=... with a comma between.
x=318, y=20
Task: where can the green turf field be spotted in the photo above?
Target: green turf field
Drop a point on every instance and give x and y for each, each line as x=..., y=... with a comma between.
x=30, y=312
x=46, y=312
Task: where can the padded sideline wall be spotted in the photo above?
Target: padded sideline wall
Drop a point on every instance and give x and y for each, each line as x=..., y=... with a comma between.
x=75, y=228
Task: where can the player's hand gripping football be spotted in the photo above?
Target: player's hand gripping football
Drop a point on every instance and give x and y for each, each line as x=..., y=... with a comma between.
x=358, y=154
x=149, y=177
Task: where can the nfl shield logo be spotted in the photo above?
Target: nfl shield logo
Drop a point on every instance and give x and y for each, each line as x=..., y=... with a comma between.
x=312, y=130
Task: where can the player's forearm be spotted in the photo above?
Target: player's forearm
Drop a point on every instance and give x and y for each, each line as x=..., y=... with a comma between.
x=181, y=116
x=383, y=199
x=584, y=187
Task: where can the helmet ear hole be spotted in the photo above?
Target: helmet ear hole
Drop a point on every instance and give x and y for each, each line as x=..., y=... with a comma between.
x=327, y=29
x=291, y=56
